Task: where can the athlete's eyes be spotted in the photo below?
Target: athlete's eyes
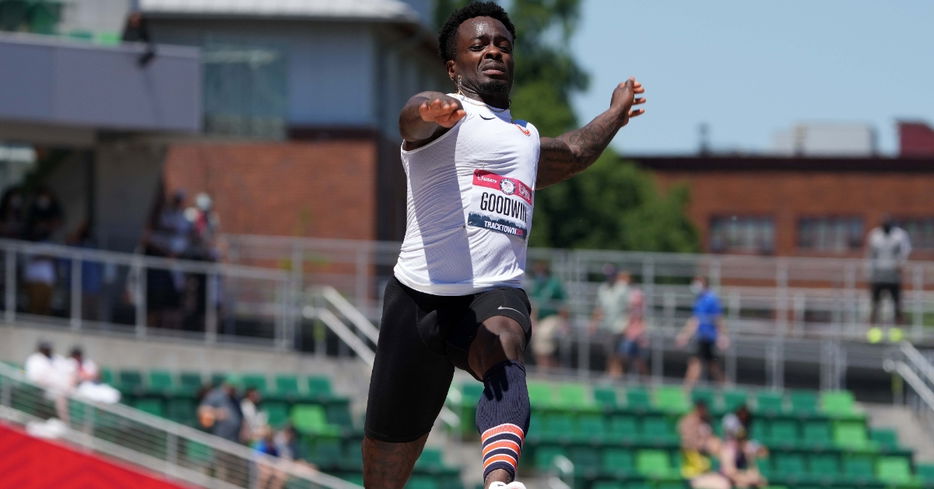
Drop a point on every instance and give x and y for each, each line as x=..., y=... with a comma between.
x=476, y=47
x=506, y=48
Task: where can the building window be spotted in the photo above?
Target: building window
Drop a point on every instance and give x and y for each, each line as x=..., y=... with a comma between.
x=830, y=234
x=245, y=89
x=920, y=231
x=742, y=234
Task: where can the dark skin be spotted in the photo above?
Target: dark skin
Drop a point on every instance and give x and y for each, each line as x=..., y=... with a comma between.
x=482, y=69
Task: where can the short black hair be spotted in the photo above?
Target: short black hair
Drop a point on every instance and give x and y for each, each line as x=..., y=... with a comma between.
x=447, y=36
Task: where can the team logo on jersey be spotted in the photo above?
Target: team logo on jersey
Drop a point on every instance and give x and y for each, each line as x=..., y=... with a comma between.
x=507, y=186
x=521, y=125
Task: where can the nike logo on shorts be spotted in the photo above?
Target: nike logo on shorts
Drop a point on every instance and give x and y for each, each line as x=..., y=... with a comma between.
x=501, y=308
x=484, y=118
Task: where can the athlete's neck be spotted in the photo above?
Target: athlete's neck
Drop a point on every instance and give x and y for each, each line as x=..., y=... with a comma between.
x=500, y=101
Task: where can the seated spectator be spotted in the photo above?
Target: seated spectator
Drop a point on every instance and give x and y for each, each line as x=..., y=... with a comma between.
x=291, y=450
x=220, y=414
x=50, y=372
x=255, y=420
x=269, y=468
x=698, y=445
x=738, y=462
x=635, y=342
x=86, y=378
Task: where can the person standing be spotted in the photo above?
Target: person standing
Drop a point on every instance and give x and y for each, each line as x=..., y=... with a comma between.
x=887, y=248
x=707, y=329
x=455, y=299
x=549, y=314
x=611, y=317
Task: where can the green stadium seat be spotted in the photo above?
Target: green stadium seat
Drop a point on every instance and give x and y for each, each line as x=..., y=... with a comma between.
x=817, y=433
x=257, y=381
x=783, y=433
x=885, y=439
x=608, y=485
x=803, y=403
x=107, y=376
x=311, y=419
x=894, y=470
x=130, y=381
x=850, y=435
x=431, y=458
x=277, y=412
x=198, y=454
x=576, y=397
x=544, y=455
x=605, y=396
x=655, y=464
x=591, y=427
x=326, y=452
x=286, y=386
x=925, y=472
x=540, y=395
x=108, y=38
x=422, y=482
x=586, y=459
x=189, y=383
x=44, y=17
x=858, y=469
x=181, y=410
x=769, y=402
x=823, y=466
x=319, y=387
x=154, y=407
x=838, y=404
x=672, y=400
x=637, y=399
x=790, y=464
x=706, y=394
x=472, y=392
x=160, y=382
x=734, y=398
x=556, y=425
x=617, y=461
x=217, y=378
x=622, y=427
x=657, y=430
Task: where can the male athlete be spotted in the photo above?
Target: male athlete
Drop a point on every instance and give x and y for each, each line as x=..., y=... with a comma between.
x=455, y=298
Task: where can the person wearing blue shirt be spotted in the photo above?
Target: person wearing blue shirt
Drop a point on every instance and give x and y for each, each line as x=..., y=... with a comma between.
x=708, y=331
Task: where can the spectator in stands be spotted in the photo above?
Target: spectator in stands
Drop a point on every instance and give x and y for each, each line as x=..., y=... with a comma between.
x=887, y=248
x=86, y=379
x=205, y=246
x=707, y=329
x=738, y=462
x=220, y=414
x=611, y=317
x=43, y=219
x=635, y=337
x=291, y=450
x=255, y=420
x=549, y=314
x=136, y=29
x=269, y=473
x=92, y=276
x=13, y=213
x=45, y=216
x=698, y=446
x=50, y=372
x=168, y=235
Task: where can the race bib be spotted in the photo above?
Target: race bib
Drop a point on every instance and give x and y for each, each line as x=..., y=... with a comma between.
x=500, y=204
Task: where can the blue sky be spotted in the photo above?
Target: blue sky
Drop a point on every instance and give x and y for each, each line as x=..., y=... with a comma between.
x=750, y=68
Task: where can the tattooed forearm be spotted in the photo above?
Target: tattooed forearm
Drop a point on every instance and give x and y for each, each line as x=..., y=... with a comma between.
x=572, y=152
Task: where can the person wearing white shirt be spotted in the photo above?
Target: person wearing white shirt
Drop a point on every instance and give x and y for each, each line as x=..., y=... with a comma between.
x=888, y=248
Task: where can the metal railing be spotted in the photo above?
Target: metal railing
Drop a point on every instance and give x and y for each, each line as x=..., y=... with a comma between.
x=798, y=297
x=918, y=373
x=149, y=442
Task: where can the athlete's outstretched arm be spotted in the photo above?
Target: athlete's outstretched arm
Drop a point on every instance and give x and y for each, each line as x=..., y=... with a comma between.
x=427, y=115
x=570, y=153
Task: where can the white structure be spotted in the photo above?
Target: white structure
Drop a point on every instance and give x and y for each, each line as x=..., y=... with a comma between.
x=825, y=139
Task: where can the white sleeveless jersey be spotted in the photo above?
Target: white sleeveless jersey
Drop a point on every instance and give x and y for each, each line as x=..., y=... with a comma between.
x=469, y=202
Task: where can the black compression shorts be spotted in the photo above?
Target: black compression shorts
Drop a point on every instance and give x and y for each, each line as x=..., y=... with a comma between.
x=422, y=338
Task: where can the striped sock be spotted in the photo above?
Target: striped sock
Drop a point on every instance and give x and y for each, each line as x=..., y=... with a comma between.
x=501, y=447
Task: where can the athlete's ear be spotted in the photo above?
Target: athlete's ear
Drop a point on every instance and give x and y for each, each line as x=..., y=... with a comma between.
x=451, y=69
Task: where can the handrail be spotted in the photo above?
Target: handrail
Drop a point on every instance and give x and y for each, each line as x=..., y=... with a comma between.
x=915, y=381
x=918, y=360
x=347, y=309
x=159, y=425
x=345, y=334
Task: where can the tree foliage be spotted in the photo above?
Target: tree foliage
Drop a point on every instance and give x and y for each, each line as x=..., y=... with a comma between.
x=612, y=205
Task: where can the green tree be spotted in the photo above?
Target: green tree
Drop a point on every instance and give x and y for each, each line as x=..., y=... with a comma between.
x=612, y=205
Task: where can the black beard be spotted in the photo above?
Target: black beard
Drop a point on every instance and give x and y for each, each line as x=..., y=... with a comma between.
x=495, y=87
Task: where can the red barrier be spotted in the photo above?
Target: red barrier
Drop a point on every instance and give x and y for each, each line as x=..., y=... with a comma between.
x=30, y=463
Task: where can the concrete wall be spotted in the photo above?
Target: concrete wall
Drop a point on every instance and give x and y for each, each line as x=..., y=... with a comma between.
x=126, y=179
x=51, y=81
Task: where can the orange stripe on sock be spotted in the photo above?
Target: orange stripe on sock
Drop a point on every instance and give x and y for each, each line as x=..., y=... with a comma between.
x=501, y=444
x=503, y=428
x=500, y=458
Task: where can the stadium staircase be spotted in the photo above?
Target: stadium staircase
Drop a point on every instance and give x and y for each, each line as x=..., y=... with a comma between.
x=626, y=438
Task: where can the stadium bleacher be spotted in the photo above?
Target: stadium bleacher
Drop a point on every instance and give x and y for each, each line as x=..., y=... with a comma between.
x=626, y=438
